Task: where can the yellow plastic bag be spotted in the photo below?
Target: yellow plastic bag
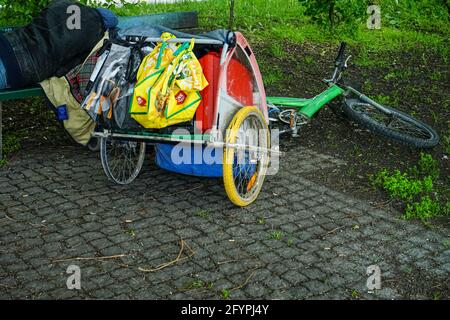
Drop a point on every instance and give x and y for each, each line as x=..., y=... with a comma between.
x=173, y=93
x=160, y=57
x=150, y=70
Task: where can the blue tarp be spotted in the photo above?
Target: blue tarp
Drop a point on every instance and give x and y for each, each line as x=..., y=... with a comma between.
x=194, y=160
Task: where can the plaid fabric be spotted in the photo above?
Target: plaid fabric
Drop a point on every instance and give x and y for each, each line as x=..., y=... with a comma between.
x=78, y=77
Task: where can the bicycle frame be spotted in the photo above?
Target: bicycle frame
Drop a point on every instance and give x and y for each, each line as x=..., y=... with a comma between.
x=308, y=107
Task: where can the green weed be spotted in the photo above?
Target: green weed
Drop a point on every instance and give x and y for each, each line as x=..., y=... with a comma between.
x=416, y=189
x=309, y=60
x=277, y=50
x=226, y=294
x=131, y=233
x=272, y=76
x=276, y=235
x=261, y=220
x=204, y=214
x=11, y=144
x=355, y=294
x=200, y=284
x=290, y=242
x=426, y=208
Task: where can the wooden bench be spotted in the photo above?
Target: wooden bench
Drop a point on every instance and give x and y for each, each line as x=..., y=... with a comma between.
x=175, y=20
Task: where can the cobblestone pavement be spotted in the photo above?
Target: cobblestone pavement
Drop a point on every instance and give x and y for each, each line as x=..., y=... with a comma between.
x=299, y=241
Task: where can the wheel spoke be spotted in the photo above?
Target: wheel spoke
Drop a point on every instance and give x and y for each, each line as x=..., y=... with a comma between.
x=247, y=163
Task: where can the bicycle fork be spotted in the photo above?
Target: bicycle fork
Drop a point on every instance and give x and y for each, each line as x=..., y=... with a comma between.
x=366, y=99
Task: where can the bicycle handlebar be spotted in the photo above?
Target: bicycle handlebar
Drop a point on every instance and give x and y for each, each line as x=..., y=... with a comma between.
x=340, y=64
x=340, y=57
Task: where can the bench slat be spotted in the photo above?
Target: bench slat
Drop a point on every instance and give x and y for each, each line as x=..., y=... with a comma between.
x=173, y=20
x=21, y=94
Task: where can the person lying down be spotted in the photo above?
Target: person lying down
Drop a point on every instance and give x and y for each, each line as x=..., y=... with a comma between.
x=54, y=43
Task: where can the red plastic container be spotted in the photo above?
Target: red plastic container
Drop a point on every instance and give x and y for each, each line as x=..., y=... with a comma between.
x=205, y=112
x=239, y=86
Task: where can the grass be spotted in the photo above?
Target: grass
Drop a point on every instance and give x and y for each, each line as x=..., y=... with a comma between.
x=446, y=244
x=420, y=189
x=273, y=76
x=131, y=233
x=446, y=141
x=204, y=214
x=261, y=220
x=11, y=143
x=276, y=235
x=290, y=242
x=277, y=50
x=274, y=20
x=355, y=294
x=226, y=294
x=199, y=284
x=309, y=60
x=386, y=100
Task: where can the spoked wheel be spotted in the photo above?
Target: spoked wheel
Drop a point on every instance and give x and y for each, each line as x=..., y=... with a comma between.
x=397, y=126
x=122, y=160
x=246, y=156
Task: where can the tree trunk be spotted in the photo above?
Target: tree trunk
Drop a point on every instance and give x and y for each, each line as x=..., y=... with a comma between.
x=231, y=22
x=331, y=13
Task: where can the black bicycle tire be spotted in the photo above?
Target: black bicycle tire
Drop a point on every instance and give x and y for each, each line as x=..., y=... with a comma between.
x=374, y=126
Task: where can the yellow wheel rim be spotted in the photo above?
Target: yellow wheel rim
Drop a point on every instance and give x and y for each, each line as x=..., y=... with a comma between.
x=244, y=169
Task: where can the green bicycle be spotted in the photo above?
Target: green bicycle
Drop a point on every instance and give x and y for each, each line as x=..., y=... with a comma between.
x=359, y=108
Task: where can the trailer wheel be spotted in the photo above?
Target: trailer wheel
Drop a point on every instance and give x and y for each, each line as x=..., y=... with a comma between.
x=122, y=160
x=244, y=169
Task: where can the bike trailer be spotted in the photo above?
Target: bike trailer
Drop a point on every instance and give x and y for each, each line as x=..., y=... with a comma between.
x=243, y=81
x=228, y=135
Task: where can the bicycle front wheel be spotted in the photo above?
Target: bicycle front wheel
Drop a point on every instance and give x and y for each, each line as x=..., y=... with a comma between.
x=397, y=125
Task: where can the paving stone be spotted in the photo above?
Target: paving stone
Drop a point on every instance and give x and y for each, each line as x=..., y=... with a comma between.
x=321, y=256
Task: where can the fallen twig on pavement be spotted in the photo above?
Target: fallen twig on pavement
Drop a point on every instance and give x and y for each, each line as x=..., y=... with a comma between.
x=245, y=283
x=333, y=231
x=91, y=258
x=225, y=262
x=178, y=259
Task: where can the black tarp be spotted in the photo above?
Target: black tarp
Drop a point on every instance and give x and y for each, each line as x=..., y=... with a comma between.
x=155, y=31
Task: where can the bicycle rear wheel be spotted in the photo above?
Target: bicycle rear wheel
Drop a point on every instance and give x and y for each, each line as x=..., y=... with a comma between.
x=397, y=125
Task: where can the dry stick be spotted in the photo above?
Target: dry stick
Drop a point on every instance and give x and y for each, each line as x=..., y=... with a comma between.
x=333, y=231
x=93, y=258
x=9, y=218
x=383, y=204
x=225, y=262
x=178, y=259
x=185, y=191
x=31, y=224
x=245, y=283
